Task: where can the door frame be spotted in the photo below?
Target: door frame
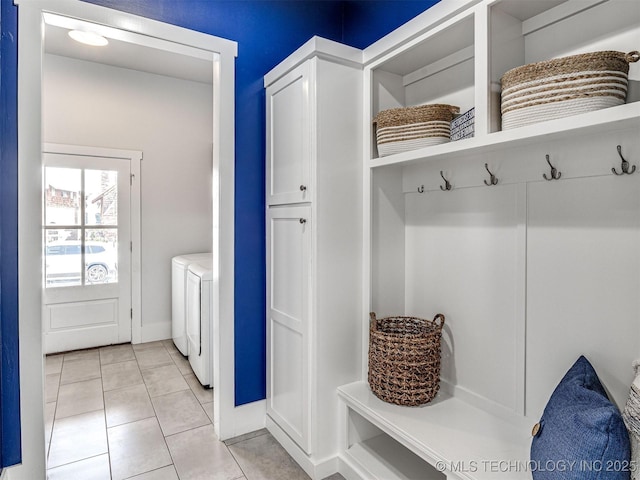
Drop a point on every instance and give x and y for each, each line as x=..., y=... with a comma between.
x=30, y=55
x=134, y=157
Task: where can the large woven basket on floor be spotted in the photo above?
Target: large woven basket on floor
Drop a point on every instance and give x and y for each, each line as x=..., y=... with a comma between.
x=564, y=86
x=402, y=129
x=404, y=358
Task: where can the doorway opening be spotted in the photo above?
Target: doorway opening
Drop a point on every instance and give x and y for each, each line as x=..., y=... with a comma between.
x=181, y=44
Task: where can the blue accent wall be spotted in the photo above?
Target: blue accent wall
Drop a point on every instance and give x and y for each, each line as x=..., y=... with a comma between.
x=365, y=22
x=267, y=31
x=10, y=453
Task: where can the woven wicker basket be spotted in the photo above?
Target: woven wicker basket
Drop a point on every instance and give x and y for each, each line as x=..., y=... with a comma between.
x=404, y=359
x=564, y=86
x=402, y=129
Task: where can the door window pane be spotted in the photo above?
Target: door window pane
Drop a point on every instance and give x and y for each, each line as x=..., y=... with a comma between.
x=101, y=194
x=63, y=187
x=101, y=255
x=63, y=257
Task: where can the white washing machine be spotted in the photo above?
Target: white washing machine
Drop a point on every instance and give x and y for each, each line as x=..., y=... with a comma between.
x=199, y=320
x=179, y=266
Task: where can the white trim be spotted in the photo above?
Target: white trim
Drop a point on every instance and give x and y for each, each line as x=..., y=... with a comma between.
x=154, y=331
x=134, y=157
x=132, y=23
x=426, y=21
x=30, y=53
x=124, y=36
x=248, y=418
x=223, y=245
x=316, y=47
x=316, y=470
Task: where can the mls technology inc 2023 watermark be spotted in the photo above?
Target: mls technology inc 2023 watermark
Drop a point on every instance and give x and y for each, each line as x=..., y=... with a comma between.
x=513, y=466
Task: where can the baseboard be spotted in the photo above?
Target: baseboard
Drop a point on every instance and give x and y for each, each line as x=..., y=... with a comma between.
x=316, y=469
x=348, y=470
x=155, y=331
x=248, y=418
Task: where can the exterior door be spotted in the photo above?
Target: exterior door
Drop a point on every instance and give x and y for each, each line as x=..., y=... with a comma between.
x=288, y=267
x=87, y=251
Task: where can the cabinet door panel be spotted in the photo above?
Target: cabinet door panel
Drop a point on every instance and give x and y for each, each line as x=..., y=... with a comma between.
x=287, y=380
x=288, y=269
x=289, y=138
x=288, y=300
x=582, y=282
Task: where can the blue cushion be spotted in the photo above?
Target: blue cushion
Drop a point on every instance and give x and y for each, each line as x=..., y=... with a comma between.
x=581, y=435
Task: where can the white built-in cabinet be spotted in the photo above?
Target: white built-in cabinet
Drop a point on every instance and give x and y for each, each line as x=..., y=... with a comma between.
x=313, y=247
x=530, y=273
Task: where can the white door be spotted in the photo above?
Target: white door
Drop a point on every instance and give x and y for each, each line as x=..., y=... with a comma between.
x=87, y=251
x=288, y=267
x=289, y=132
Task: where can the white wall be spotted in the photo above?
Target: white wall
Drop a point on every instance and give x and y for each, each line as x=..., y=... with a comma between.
x=170, y=120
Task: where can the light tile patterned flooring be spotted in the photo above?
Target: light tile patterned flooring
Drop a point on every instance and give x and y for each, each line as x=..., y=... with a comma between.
x=138, y=412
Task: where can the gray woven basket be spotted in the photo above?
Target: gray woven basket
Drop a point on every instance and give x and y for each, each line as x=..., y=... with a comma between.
x=409, y=128
x=564, y=86
x=404, y=359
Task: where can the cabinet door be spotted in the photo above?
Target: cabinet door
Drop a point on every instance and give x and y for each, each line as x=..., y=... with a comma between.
x=289, y=131
x=288, y=287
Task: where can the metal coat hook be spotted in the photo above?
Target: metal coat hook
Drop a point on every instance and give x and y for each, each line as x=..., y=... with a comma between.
x=447, y=185
x=555, y=174
x=493, y=180
x=624, y=166
x=421, y=189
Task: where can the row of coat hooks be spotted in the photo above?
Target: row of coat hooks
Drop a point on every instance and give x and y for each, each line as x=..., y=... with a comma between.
x=554, y=174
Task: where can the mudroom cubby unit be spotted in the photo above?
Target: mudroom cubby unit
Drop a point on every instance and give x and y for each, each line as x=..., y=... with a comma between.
x=458, y=56
x=525, y=239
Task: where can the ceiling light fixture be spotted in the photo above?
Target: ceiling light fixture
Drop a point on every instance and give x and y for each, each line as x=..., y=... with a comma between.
x=88, y=38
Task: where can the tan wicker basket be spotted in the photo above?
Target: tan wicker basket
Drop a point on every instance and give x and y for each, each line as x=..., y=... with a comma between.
x=404, y=359
x=403, y=129
x=564, y=86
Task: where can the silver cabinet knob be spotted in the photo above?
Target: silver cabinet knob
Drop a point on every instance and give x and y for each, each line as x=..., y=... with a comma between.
x=303, y=188
x=303, y=221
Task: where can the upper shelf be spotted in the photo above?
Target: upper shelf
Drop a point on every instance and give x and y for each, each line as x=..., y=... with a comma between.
x=615, y=118
x=460, y=58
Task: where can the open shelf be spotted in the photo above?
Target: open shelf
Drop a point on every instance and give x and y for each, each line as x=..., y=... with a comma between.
x=527, y=32
x=451, y=63
x=448, y=434
x=384, y=458
x=615, y=118
x=437, y=67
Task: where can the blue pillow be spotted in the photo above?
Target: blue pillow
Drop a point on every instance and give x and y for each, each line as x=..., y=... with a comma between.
x=581, y=435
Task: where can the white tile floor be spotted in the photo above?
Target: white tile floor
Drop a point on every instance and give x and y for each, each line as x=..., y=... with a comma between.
x=138, y=412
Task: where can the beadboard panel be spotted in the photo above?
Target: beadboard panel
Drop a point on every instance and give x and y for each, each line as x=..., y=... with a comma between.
x=462, y=259
x=582, y=282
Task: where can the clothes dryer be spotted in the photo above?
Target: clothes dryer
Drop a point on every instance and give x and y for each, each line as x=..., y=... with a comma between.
x=179, y=266
x=199, y=320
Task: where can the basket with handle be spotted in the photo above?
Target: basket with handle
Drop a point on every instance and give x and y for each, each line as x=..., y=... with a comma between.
x=564, y=86
x=404, y=358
